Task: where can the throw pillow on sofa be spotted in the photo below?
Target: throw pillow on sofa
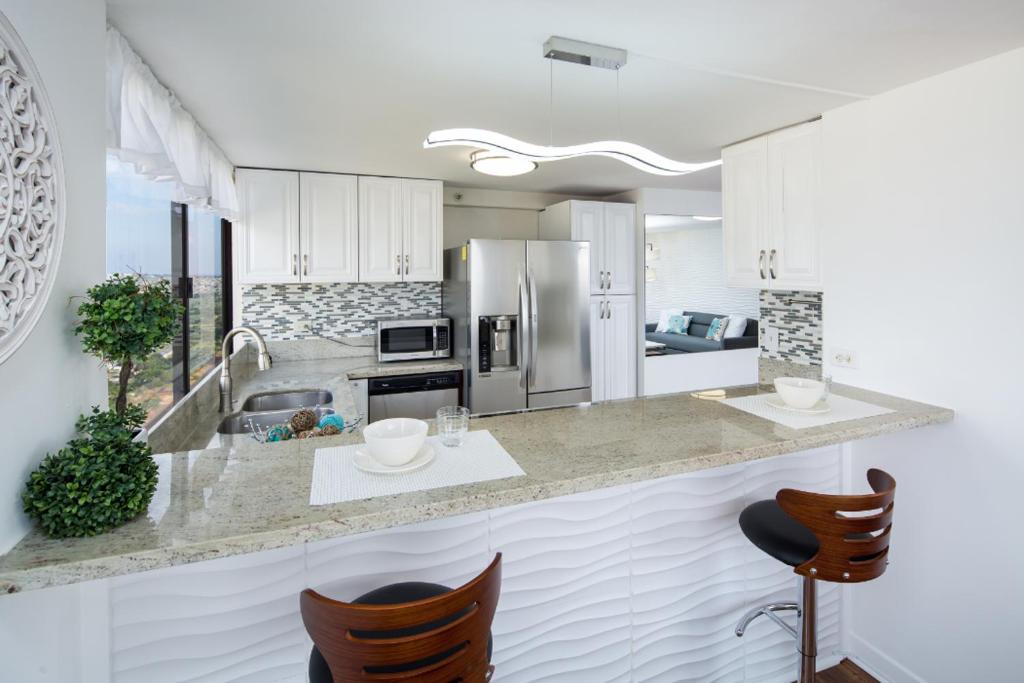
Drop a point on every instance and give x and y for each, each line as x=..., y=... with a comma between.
x=663, y=317
x=737, y=326
x=679, y=324
x=716, y=330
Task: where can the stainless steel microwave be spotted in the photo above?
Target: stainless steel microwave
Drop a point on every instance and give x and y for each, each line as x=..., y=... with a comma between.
x=412, y=338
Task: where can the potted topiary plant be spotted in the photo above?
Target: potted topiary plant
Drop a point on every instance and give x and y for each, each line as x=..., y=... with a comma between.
x=100, y=480
x=123, y=320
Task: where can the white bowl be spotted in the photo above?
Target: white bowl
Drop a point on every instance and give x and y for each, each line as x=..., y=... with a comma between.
x=395, y=441
x=797, y=392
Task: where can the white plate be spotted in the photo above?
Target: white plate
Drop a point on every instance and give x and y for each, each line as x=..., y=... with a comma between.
x=365, y=462
x=818, y=409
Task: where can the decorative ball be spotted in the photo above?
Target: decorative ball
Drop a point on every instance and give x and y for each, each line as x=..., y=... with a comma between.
x=330, y=430
x=281, y=432
x=310, y=433
x=333, y=420
x=303, y=420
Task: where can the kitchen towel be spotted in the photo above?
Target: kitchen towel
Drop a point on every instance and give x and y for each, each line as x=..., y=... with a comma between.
x=480, y=458
x=843, y=409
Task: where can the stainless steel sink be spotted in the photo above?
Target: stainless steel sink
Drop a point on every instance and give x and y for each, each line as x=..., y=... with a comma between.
x=248, y=422
x=291, y=400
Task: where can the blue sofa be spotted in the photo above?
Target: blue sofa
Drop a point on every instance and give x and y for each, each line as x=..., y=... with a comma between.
x=694, y=341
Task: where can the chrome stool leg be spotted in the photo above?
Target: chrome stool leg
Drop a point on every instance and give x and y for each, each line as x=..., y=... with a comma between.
x=806, y=631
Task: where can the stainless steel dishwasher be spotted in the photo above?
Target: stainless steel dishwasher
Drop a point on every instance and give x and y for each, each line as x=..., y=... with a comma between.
x=416, y=396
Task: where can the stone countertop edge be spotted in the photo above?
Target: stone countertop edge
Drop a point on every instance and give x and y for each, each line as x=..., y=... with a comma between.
x=457, y=500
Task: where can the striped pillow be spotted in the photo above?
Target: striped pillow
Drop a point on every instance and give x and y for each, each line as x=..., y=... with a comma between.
x=716, y=330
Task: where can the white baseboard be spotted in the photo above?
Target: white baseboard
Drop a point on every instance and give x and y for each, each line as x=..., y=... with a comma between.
x=879, y=664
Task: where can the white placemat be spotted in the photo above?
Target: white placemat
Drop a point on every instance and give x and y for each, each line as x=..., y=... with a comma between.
x=843, y=409
x=480, y=458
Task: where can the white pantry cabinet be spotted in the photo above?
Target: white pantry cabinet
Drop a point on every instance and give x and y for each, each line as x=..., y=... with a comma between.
x=328, y=228
x=267, y=232
x=611, y=230
x=613, y=340
x=400, y=230
x=771, y=217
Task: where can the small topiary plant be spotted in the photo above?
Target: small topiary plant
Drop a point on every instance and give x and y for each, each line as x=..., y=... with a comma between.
x=124, y=319
x=100, y=480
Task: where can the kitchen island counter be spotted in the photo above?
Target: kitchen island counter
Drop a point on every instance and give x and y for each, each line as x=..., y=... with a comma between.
x=250, y=497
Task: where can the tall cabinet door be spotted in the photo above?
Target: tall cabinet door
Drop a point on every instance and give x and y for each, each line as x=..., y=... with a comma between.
x=620, y=334
x=421, y=231
x=744, y=213
x=380, y=229
x=328, y=227
x=794, y=172
x=597, y=350
x=267, y=231
x=620, y=248
x=587, y=224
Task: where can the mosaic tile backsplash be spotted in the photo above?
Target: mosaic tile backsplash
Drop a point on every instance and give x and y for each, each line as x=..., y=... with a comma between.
x=797, y=315
x=290, y=312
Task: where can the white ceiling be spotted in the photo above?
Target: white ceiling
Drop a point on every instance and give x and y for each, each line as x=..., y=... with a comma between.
x=356, y=85
x=668, y=223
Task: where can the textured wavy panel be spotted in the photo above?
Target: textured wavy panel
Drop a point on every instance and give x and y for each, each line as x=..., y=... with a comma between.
x=222, y=620
x=564, y=613
x=447, y=551
x=768, y=652
x=688, y=577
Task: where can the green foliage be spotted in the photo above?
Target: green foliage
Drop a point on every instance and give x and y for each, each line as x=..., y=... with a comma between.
x=100, y=480
x=124, y=319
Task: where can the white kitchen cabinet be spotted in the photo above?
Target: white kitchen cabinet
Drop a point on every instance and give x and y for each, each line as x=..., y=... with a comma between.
x=771, y=217
x=422, y=239
x=613, y=339
x=267, y=232
x=328, y=228
x=611, y=230
x=400, y=230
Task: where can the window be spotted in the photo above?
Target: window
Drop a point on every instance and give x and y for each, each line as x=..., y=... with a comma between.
x=156, y=238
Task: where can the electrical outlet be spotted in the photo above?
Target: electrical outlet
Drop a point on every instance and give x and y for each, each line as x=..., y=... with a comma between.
x=771, y=339
x=302, y=326
x=843, y=358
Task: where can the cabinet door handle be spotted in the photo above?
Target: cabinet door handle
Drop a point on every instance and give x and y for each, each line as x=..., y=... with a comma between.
x=295, y=264
x=398, y=264
x=406, y=264
x=600, y=281
x=771, y=264
x=608, y=283
x=305, y=264
x=760, y=263
x=609, y=310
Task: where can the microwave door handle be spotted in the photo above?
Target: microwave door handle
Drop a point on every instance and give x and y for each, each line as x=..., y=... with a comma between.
x=433, y=329
x=524, y=333
x=533, y=329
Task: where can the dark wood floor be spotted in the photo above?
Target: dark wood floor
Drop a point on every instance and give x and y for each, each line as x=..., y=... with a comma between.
x=845, y=672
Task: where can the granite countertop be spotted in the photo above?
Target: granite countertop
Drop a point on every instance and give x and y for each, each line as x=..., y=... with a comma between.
x=249, y=497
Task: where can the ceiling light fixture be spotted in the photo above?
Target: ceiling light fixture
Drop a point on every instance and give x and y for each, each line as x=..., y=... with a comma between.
x=707, y=218
x=501, y=150
x=494, y=163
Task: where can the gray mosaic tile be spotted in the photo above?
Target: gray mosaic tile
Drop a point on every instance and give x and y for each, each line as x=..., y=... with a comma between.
x=797, y=315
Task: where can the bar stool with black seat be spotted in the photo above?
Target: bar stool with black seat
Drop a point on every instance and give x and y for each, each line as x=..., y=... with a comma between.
x=424, y=632
x=814, y=534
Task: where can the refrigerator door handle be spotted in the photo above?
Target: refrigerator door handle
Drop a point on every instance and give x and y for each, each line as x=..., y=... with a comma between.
x=533, y=329
x=524, y=332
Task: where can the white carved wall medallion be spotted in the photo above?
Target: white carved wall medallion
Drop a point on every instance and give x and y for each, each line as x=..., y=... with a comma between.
x=31, y=193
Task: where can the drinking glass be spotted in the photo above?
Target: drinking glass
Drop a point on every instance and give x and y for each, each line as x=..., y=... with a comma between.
x=452, y=425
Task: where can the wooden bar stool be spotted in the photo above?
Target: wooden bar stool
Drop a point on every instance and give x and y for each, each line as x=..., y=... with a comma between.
x=810, y=532
x=420, y=632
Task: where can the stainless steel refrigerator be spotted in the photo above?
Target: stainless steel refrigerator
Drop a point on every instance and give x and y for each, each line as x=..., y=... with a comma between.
x=520, y=312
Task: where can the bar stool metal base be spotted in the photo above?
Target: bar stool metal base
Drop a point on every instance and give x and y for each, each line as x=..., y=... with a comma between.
x=806, y=631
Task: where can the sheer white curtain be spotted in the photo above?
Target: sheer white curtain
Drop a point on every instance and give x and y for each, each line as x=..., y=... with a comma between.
x=148, y=128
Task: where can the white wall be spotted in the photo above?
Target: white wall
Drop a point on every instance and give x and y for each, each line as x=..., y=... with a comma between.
x=924, y=215
x=493, y=214
x=689, y=273
x=49, y=380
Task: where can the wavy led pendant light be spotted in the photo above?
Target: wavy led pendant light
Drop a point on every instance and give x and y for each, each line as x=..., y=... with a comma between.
x=501, y=150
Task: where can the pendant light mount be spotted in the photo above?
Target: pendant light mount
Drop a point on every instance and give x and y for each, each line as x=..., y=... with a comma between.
x=587, y=54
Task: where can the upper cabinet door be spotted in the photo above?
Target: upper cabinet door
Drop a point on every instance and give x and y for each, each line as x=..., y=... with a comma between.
x=745, y=213
x=328, y=227
x=380, y=229
x=422, y=238
x=620, y=248
x=587, y=224
x=794, y=172
x=620, y=347
x=267, y=231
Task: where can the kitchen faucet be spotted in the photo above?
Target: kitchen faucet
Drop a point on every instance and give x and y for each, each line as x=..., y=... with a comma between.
x=263, y=362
